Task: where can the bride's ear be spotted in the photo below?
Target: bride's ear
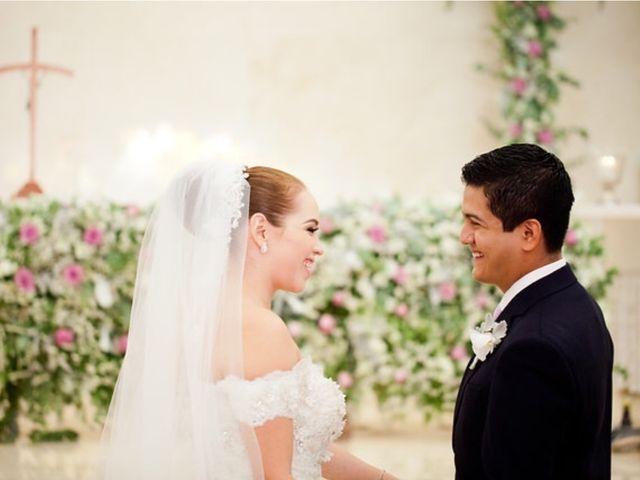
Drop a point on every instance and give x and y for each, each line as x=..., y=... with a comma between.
x=258, y=228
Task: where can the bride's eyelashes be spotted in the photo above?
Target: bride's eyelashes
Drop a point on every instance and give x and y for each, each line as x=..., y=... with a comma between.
x=312, y=230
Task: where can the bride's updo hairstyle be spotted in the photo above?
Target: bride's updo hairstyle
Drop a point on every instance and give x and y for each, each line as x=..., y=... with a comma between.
x=272, y=193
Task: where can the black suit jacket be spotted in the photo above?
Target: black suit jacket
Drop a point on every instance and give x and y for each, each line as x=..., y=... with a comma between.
x=539, y=406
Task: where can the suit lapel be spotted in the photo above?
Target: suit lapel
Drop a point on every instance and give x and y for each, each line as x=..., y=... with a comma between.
x=468, y=373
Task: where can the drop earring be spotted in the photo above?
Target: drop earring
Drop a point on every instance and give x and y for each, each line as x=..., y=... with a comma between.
x=264, y=248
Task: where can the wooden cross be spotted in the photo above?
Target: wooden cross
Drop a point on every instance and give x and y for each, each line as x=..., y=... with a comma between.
x=33, y=67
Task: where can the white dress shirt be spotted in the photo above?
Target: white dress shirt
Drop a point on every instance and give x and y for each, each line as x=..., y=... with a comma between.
x=527, y=280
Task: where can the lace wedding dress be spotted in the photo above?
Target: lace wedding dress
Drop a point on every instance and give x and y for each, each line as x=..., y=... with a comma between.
x=314, y=402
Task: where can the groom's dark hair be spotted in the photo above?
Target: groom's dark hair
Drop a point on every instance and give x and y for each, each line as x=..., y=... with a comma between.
x=523, y=181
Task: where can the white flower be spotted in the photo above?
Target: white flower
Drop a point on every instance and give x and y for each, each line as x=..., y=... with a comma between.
x=83, y=251
x=62, y=246
x=45, y=253
x=103, y=292
x=485, y=338
x=397, y=245
x=297, y=306
x=364, y=287
x=352, y=259
x=140, y=224
x=380, y=279
x=105, y=339
x=530, y=31
x=63, y=222
x=7, y=267
x=449, y=246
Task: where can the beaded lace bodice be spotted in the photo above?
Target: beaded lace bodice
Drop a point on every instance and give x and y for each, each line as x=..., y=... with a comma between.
x=314, y=402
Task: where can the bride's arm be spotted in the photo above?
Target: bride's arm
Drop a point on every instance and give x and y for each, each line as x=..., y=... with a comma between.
x=345, y=466
x=268, y=347
x=276, y=446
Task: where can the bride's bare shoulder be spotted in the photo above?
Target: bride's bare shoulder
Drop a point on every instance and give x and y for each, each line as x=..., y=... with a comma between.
x=268, y=345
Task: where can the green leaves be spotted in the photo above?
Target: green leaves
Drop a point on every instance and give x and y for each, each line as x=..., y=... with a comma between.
x=116, y=261
x=40, y=436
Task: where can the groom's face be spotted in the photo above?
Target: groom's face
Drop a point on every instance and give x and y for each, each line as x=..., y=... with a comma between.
x=495, y=252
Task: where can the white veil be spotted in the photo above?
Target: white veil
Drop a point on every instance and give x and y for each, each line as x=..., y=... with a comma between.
x=167, y=420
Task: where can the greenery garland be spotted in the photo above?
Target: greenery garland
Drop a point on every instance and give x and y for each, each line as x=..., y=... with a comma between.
x=526, y=32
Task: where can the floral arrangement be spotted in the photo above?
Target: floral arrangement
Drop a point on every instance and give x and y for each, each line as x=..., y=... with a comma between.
x=389, y=308
x=527, y=34
x=393, y=301
x=66, y=281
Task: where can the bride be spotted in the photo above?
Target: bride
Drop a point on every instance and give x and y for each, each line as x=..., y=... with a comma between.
x=212, y=385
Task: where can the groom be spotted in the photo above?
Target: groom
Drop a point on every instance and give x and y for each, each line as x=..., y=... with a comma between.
x=538, y=404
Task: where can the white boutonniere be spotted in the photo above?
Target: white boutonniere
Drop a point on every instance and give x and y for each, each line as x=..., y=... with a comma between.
x=486, y=337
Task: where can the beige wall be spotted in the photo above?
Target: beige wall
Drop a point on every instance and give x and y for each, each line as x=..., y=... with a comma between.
x=601, y=48
x=358, y=99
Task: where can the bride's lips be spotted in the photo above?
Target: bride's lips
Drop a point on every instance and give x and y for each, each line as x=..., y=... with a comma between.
x=309, y=264
x=476, y=255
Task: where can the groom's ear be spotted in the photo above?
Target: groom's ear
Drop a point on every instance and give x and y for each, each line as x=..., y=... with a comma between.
x=531, y=235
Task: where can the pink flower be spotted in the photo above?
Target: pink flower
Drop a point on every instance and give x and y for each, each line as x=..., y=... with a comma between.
x=295, y=329
x=339, y=298
x=482, y=300
x=345, y=380
x=535, y=48
x=132, y=210
x=544, y=12
x=401, y=310
x=545, y=136
x=93, y=236
x=400, y=375
x=447, y=291
x=377, y=234
x=571, y=238
x=121, y=344
x=326, y=226
x=516, y=130
x=73, y=274
x=29, y=233
x=327, y=324
x=64, y=337
x=401, y=276
x=24, y=280
x=518, y=85
x=458, y=353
